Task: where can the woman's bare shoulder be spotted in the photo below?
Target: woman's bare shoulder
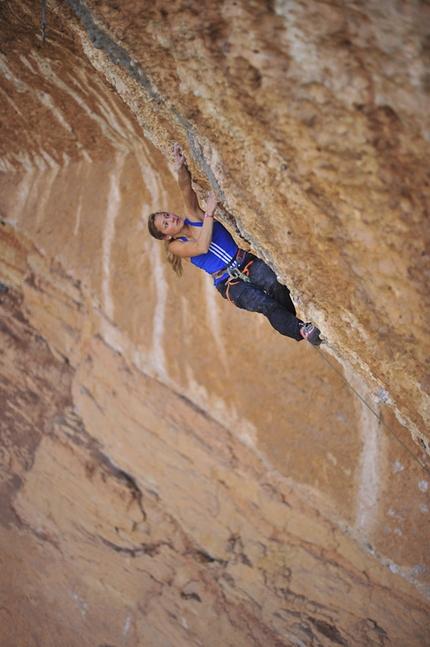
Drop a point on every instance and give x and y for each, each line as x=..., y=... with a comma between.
x=180, y=247
x=185, y=248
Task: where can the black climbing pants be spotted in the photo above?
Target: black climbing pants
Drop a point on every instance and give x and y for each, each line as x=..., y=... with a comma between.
x=264, y=294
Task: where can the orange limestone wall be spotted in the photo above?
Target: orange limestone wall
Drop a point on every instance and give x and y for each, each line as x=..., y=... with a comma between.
x=173, y=471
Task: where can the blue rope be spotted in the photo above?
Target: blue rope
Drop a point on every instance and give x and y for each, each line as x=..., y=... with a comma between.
x=43, y=20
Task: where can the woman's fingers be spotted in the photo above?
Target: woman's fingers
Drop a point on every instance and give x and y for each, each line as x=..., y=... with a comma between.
x=211, y=202
x=179, y=156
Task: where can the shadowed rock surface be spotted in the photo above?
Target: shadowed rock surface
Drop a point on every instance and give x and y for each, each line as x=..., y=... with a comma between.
x=172, y=471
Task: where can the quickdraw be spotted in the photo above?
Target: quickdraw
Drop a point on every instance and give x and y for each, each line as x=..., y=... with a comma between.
x=235, y=276
x=235, y=262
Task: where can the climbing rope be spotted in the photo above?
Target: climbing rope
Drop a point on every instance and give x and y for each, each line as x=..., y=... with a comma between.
x=374, y=412
x=43, y=20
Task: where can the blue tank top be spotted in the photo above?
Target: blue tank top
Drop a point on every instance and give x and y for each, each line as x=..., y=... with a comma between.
x=222, y=250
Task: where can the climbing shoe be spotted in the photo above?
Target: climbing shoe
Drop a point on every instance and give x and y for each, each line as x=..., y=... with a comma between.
x=311, y=333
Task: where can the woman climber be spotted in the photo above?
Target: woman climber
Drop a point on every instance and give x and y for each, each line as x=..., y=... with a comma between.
x=239, y=276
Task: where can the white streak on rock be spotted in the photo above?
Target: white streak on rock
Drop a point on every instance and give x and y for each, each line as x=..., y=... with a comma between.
x=369, y=475
x=47, y=101
x=126, y=629
x=114, y=202
x=27, y=64
x=157, y=356
x=12, y=103
x=21, y=197
x=78, y=215
x=108, y=125
x=212, y=319
x=301, y=50
x=43, y=200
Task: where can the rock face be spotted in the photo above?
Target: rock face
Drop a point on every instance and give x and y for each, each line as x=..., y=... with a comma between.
x=172, y=471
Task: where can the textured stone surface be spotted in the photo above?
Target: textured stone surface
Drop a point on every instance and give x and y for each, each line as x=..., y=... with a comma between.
x=172, y=471
x=192, y=539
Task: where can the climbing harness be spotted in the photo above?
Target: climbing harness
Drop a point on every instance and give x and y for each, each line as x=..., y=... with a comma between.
x=235, y=262
x=234, y=272
x=374, y=412
x=237, y=275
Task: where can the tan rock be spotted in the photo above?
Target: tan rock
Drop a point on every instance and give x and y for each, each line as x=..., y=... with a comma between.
x=172, y=471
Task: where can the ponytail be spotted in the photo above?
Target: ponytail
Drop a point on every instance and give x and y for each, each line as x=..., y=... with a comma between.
x=174, y=261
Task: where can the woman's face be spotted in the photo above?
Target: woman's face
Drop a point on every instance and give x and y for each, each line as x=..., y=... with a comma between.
x=169, y=224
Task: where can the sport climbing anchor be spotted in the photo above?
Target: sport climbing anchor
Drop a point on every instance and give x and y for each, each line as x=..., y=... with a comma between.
x=239, y=276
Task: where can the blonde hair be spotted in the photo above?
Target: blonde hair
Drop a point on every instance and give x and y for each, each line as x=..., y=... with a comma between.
x=174, y=261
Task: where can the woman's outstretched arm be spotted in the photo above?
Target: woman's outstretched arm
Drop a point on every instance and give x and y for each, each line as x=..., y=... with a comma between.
x=191, y=203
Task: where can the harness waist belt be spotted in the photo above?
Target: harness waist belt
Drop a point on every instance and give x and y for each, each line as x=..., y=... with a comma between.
x=235, y=262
